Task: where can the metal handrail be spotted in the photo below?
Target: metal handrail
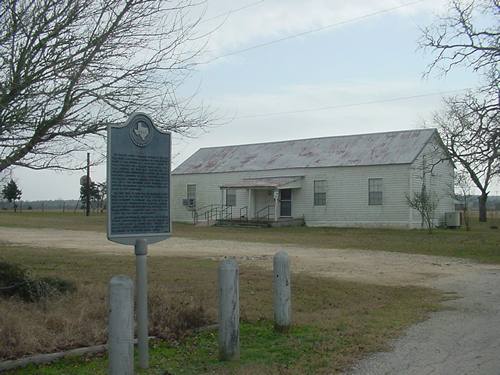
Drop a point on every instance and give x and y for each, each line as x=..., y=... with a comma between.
x=196, y=212
x=210, y=214
x=214, y=211
x=226, y=212
x=267, y=217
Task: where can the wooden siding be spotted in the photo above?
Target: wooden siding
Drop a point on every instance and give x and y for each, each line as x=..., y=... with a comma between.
x=346, y=200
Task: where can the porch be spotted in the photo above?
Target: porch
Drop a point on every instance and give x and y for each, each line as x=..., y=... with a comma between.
x=267, y=201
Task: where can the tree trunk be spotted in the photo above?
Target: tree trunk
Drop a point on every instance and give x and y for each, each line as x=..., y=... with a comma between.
x=482, y=206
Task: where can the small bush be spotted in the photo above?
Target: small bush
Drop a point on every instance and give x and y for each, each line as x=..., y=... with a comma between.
x=11, y=278
x=16, y=281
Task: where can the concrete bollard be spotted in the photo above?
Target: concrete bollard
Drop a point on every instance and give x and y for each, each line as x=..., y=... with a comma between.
x=229, y=310
x=121, y=326
x=282, y=301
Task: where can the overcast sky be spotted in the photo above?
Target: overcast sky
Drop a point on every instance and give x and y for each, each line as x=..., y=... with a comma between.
x=361, y=73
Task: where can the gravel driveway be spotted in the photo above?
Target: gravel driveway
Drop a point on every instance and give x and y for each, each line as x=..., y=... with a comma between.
x=464, y=339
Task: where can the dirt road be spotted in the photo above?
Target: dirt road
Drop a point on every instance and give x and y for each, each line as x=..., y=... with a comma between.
x=462, y=340
x=377, y=267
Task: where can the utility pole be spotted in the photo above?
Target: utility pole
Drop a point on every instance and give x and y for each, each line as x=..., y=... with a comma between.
x=87, y=198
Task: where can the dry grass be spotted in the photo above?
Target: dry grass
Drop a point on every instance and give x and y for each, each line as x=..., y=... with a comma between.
x=79, y=319
x=336, y=322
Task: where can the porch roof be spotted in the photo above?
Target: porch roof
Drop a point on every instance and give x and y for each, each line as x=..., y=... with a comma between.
x=289, y=182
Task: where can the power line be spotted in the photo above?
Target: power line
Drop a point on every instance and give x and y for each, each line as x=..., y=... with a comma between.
x=232, y=11
x=292, y=36
x=358, y=104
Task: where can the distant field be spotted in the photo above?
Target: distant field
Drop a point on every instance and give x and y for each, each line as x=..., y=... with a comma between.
x=482, y=243
x=335, y=322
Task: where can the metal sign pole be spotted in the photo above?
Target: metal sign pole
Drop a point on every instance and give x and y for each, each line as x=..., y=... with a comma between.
x=141, y=254
x=138, y=183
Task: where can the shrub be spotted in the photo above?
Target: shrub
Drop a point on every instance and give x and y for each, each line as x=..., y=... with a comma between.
x=16, y=281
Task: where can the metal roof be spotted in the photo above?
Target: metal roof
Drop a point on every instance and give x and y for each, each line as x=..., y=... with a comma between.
x=399, y=147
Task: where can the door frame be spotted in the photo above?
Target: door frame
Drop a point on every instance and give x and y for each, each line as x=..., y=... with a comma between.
x=286, y=200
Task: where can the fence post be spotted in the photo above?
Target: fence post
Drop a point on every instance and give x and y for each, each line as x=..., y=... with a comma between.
x=121, y=326
x=229, y=310
x=282, y=301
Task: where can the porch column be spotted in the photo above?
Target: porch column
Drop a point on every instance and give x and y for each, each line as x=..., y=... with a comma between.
x=222, y=196
x=276, y=194
x=250, y=204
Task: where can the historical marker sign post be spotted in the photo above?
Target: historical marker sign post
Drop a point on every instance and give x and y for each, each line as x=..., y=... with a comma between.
x=138, y=204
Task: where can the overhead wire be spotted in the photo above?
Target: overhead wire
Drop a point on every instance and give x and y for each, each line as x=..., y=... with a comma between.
x=311, y=31
x=357, y=104
x=232, y=11
x=307, y=32
x=315, y=30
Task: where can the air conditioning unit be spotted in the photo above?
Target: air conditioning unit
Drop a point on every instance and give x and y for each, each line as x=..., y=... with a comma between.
x=452, y=219
x=189, y=202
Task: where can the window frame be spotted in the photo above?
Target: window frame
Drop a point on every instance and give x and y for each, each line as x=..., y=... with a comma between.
x=232, y=193
x=375, y=191
x=320, y=188
x=191, y=193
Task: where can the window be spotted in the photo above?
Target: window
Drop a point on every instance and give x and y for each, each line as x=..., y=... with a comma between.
x=191, y=191
x=374, y=191
x=320, y=193
x=230, y=197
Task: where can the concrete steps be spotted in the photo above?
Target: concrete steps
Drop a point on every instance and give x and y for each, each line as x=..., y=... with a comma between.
x=282, y=222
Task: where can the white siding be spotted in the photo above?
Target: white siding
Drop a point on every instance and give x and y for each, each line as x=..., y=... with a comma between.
x=346, y=201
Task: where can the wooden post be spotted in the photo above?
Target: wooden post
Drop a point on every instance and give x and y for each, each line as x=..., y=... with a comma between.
x=229, y=310
x=282, y=301
x=121, y=326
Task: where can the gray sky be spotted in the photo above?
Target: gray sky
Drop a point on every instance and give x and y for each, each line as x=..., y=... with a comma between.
x=354, y=69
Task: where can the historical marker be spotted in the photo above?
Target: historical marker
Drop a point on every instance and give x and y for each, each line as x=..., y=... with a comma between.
x=139, y=201
x=138, y=181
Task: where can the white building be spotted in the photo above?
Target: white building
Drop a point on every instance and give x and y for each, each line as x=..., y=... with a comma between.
x=357, y=180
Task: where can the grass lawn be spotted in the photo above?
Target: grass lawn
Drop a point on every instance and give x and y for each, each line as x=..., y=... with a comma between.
x=481, y=244
x=335, y=322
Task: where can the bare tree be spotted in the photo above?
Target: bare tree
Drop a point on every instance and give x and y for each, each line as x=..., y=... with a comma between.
x=68, y=68
x=470, y=130
x=463, y=194
x=468, y=35
x=425, y=203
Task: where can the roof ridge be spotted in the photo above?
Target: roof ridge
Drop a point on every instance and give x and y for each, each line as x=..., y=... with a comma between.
x=392, y=147
x=314, y=138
